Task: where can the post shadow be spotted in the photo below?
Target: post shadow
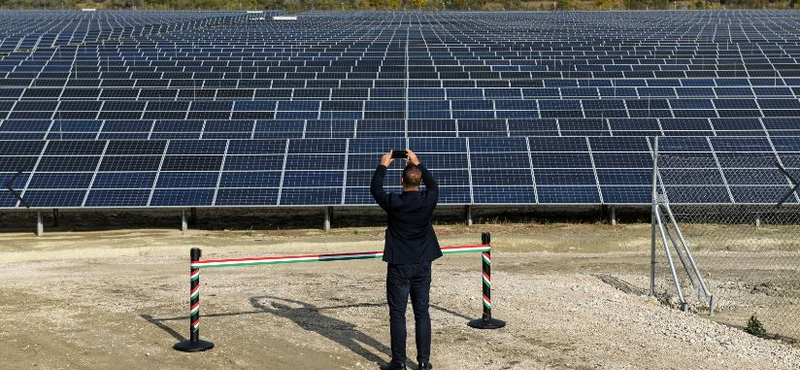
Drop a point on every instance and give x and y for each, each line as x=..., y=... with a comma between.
x=310, y=318
x=162, y=326
x=432, y=306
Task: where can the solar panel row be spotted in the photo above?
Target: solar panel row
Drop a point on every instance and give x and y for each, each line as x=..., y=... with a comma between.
x=176, y=109
x=610, y=170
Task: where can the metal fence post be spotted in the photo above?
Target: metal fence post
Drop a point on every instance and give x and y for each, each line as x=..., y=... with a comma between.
x=653, y=210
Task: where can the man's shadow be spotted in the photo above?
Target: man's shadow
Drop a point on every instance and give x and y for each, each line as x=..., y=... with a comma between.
x=309, y=317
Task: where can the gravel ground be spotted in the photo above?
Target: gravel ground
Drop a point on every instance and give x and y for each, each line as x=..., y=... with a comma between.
x=98, y=300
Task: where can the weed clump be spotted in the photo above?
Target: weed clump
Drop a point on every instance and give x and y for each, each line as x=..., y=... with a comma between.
x=755, y=327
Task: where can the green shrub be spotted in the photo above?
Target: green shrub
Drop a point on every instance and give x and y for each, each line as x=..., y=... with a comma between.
x=755, y=327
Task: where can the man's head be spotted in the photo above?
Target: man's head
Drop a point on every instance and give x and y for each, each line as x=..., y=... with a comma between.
x=412, y=176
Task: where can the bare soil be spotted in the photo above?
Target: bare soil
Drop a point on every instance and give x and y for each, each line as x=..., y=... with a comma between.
x=118, y=299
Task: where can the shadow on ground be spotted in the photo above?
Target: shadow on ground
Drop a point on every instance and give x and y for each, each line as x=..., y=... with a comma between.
x=310, y=318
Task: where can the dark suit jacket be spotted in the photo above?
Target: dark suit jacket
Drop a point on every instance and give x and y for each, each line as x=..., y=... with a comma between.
x=409, y=235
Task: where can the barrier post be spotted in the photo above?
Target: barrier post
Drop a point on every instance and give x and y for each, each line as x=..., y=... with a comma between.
x=486, y=321
x=194, y=344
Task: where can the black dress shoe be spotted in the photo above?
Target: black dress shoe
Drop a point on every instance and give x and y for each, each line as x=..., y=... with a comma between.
x=425, y=366
x=393, y=366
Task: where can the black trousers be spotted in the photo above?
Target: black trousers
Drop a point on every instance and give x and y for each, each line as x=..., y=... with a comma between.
x=402, y=280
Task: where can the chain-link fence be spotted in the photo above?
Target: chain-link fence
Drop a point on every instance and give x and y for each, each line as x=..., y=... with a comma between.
x=746, y=246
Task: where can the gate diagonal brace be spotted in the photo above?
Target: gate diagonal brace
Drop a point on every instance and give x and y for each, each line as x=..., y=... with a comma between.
x=10, y=188
x=793, y=181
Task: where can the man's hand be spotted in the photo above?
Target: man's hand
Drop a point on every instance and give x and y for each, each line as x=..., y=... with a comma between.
x=387, y=159
x=412, y=157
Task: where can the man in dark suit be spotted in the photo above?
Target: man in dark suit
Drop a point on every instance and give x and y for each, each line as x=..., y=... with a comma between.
x=410, y=247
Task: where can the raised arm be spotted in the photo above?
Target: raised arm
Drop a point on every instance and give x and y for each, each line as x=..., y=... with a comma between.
x=427, y=178
x=376, y=186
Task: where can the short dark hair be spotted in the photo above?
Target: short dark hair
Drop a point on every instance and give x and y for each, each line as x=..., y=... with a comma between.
x=412, y=176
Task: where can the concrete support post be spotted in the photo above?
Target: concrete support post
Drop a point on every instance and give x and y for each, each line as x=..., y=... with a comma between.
x=184, y=224
x=613, y=216
x=55, y=217
x=328, y=216
x=758, y=221
x=39, y=224
x=468, y=214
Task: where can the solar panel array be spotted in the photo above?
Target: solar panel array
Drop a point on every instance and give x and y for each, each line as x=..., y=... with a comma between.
x=177, y=109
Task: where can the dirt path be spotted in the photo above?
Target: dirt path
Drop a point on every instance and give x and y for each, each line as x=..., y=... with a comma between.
x=97, y=300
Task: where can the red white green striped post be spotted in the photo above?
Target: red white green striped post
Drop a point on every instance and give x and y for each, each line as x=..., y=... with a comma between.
x=194, y=344
x=486, y=321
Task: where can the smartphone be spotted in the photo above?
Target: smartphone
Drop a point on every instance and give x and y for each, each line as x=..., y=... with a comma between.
x=399, y=154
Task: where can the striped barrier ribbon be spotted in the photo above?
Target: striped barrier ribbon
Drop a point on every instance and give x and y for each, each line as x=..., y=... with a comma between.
x=252, y=261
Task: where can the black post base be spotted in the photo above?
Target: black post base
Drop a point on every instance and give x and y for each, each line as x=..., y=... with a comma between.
x=189, y=346
x=487, y=324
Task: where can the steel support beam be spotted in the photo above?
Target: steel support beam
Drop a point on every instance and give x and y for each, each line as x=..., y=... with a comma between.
x=328, y=216
x=39, y=224
x=184, y=223
x=612, y=217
